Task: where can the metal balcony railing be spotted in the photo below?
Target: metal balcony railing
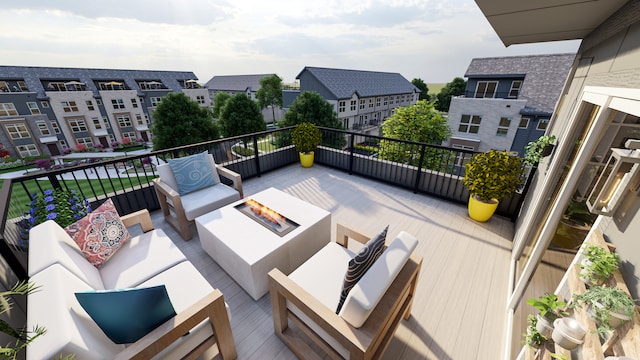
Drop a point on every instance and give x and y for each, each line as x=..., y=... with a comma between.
x=422, y=168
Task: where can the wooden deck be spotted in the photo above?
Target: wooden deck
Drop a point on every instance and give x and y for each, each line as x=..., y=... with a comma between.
x=459, y=309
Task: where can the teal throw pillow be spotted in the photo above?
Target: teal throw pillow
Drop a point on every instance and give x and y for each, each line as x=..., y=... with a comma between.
x=127, y=315
x=360, y=263
x=192, y=172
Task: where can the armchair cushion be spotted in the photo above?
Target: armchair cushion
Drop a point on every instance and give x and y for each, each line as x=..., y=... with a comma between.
x=129, y=314
x=360, y=263
x=99, y=234
x=193, y=172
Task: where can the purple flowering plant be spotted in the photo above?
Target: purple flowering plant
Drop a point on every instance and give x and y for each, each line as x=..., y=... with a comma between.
x=62, y=206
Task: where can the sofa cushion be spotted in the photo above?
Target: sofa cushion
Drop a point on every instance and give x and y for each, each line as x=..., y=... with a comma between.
x=139, y=259
x=99, y=234
x=323, y=274
x=193, y=172
x=126, y=315
x=70, y=330
x=208, y=199
x=366, y=294
x=360, y=263
x=50, y=244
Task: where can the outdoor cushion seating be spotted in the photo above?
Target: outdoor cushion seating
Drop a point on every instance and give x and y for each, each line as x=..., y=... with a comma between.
x=58, y=267
x=180, y=208
x=371, y=313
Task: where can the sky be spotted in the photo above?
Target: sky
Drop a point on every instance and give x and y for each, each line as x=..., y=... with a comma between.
x=431, y=40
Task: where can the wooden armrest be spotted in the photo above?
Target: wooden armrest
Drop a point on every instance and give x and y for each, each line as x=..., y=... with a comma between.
x=343, y=234
x=233, y=176
x=211, y=306
x=165, y=189
x=325, y=318
x=141, y=217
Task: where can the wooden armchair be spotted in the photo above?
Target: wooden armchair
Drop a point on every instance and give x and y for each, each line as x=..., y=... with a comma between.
x=333, y=333
x=180, y=211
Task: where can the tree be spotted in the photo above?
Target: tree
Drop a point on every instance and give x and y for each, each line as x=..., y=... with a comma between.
x=313, y=108
x=240, y=116
x=455, y=88
x=219, y=100
x=270, y=93
x=424, y=89
x=178, y=121
x=419, y=123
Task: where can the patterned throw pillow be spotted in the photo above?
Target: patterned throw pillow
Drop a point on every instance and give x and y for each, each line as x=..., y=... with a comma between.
x=126, y=315
x=99, y=234
x=192, y=172
x=360, y=263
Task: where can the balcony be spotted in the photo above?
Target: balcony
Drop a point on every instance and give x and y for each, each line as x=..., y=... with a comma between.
x=459, y=308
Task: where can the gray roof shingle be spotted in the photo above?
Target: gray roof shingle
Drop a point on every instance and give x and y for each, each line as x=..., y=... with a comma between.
x=235, y=82
x=344, y=83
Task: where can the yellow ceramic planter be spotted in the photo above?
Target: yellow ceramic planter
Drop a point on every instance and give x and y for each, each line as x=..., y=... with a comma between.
x=480, y=210
x=306, y=159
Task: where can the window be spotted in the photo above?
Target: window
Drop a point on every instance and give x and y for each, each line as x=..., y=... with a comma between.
x=117, y=103
x=129, y=135
x=370, y=103
x=378, y=101
x=55, y=127
x=200, y=99
x=8, y=109
x=69, y=106
x=123, y=120
x=99, y=102
x=106, y=122
x=42, y=126
x=86, y=141
x=97, y=123
x=17, y=131
x=470, y=124
x=134, y=103
x=155, y=101
x=44, y=104
x=4, y=86
x=77, y=125
x=63, y=144
x=486, y=89
x=524, y=123
x=503, y=126
x=385, y=101
x=361, y=103
x=90, y=105
x=146, y=118
x=139, y=119
x=353, y=105
x=33, y=107
x=341, y=106
x=515, y=88
x=22, y=85
x=112, y=138
x=27, y=150
x=542, y=124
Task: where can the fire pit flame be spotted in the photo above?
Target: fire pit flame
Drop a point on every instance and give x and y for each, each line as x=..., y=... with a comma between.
x=265, y=212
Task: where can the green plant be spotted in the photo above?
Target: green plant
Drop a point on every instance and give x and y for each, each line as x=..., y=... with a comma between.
x=577, y=213
x=532, y=337
x=62, y=206
x=22, y=336
x=600, y=265
x=559, y=356
x=549, y=306
x=493, y=175
x=306, y=137
x=533, y=150
x=602, y=301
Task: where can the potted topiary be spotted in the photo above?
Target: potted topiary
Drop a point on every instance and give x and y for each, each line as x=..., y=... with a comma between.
x=532, y=336
x=598, y=265
x=306, y=137
x=489, y=177
x=550, y=308
x=609, y=307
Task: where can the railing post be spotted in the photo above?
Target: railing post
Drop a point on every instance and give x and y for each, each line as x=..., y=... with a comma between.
x=525, y=190
x=419, y=174
x=256, y=153
x=351, y=157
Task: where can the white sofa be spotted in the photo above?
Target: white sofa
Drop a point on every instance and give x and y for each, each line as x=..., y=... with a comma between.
x=58, y=267
x=308, y=297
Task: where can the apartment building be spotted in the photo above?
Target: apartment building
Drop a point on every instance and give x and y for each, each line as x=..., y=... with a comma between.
x=508, y=101
x=44, y=110
x=361, y=99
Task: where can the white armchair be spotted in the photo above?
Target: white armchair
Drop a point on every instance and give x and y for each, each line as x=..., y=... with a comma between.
x=180, y=211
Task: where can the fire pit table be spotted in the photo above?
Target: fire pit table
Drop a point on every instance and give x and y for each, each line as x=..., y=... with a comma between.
x=270, y=229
